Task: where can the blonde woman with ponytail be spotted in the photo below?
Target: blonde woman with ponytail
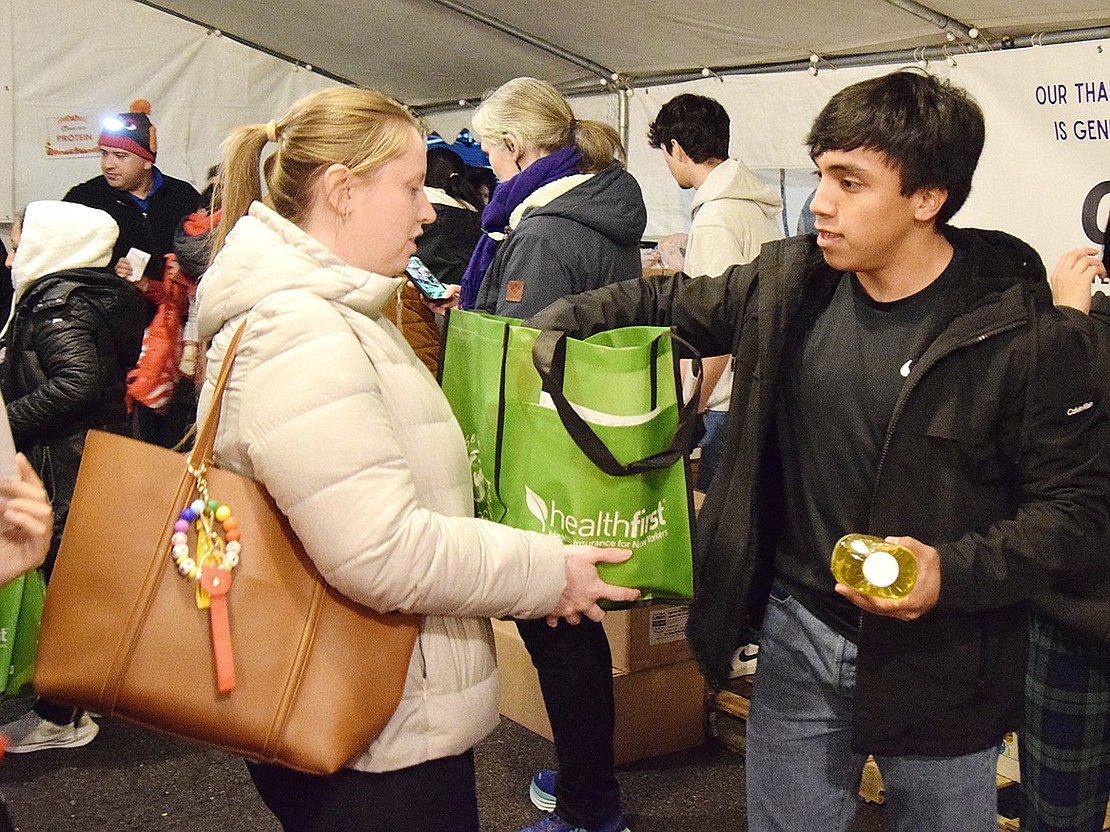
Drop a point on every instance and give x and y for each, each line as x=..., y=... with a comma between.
x=329, y=408
x=566, y=216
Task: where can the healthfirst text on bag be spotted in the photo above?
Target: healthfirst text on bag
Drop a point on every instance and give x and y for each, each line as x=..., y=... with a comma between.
x=539, y=469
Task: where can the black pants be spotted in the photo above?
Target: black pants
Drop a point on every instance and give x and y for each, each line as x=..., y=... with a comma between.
x=436, y=796
x=56, y=712
x=575, y=667
x=168, y=428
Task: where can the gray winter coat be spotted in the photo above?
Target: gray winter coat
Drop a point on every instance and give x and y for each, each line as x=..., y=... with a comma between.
x=583, y=239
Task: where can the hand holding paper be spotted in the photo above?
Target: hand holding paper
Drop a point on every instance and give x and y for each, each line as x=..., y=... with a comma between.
x=137, y=260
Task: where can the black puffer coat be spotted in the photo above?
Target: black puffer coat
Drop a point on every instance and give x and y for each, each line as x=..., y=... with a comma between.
x=446, y=245
x=66, y=353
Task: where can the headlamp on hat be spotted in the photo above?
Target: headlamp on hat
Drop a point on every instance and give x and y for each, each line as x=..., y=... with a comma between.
x=131, y=131
x=114, y=125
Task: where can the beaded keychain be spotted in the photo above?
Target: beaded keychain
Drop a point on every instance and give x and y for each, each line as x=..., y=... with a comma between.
x=217, y=554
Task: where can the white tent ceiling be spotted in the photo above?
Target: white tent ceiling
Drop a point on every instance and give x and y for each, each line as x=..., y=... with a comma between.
x=436, y=52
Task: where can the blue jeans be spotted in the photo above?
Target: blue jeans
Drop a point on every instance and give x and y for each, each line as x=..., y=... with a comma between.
x=712, y=446
x=801, y=770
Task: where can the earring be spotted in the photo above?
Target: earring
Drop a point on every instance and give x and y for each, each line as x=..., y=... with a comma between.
x=346, y=214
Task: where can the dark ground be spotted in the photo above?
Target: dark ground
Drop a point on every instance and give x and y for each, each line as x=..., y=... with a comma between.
x=130, y=778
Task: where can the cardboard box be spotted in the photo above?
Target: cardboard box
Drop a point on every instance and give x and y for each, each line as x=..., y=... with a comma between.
x=659, y=710
x=649, y=636
x=1008, y=758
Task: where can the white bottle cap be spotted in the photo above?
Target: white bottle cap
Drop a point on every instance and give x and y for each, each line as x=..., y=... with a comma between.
x=880, y=569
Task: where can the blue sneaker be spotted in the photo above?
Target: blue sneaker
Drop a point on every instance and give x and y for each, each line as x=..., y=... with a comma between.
x=554, y=823
x=542, y=790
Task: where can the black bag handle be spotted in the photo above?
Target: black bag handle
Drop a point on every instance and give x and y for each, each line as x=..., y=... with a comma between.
x=549, y=354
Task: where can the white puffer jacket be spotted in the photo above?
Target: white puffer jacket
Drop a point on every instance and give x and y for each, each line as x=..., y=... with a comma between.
x=331, y=410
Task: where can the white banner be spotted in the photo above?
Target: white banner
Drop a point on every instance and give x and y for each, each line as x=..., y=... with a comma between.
x=1045, y=171
x=72, y=135
x=93, y=57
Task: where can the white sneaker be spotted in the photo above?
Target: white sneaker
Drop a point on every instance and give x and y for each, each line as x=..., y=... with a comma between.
x=33, y=733
x=744, y=660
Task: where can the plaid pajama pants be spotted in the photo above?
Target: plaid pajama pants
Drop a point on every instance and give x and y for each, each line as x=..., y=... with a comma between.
x=1064, y=742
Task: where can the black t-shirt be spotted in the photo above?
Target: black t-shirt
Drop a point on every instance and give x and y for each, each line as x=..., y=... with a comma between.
x=835, y=405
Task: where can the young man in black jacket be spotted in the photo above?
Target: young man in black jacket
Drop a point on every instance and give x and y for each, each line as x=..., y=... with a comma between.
x=900, y=377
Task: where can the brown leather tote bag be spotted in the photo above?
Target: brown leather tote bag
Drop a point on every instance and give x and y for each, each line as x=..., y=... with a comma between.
x=304, y=677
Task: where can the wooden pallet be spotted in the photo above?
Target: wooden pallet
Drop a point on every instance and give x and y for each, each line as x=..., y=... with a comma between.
x=728, y=713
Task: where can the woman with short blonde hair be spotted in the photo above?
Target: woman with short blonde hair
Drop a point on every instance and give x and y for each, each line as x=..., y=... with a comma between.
x=566, y=216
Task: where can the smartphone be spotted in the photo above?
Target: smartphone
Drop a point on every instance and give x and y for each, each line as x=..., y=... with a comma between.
x=426, y=283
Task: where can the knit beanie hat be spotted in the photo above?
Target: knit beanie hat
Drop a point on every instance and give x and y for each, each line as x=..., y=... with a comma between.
x=131, y=131
x=193, y=242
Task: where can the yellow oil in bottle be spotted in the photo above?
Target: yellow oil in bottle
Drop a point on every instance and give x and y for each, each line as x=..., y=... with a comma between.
x=873, y=566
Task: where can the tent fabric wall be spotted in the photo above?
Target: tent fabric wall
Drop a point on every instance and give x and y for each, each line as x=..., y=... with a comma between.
x=7, y=110
x=88, y=57
x=435, y=52
x=1049, y=190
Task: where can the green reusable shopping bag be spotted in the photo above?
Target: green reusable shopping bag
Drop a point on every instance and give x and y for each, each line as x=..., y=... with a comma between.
x=471, y=371
x=20, y=617
x=581, y=439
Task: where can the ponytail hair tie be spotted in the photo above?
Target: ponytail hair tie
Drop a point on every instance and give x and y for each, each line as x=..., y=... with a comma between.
x=271, y=131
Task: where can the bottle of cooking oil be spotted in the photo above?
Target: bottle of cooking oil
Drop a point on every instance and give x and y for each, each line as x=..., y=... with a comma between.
x=873, y=566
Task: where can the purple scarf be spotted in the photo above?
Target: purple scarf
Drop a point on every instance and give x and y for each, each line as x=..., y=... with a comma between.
x=508, y=195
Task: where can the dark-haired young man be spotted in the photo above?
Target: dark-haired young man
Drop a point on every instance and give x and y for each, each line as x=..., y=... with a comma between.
x=732, y=215
x=897, y=376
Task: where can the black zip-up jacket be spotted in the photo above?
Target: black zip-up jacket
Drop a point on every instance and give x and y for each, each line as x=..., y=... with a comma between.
x=152, y=231
x=66, y=353
x=1080, y=604
x=995, y=454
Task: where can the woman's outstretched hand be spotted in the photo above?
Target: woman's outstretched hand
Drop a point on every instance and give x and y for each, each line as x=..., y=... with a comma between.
x=584, y=588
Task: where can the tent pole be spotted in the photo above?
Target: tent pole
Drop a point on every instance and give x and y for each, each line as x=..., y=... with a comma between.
x=941, y=21
x=600, y=71
x=901, y=56
x=622, y=117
